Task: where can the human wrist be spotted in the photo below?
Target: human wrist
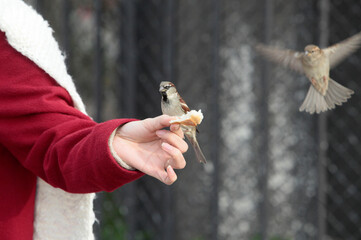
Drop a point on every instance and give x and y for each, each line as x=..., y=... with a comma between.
x=113, y=140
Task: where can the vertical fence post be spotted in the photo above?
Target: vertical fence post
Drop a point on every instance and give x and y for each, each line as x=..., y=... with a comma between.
x=215, y=23
x=130, y=53
x=264, y=114
x=127, y=100
x=324, y=8
x=98, y=83
x=98, y=92
x=38, y=5
x=66, y=31
x=168, y=73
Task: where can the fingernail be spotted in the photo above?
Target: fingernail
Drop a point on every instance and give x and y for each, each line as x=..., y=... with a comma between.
x=171, y=174
x=166, y=146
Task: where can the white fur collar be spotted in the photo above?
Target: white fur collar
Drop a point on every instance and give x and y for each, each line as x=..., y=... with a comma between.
x=58, y=214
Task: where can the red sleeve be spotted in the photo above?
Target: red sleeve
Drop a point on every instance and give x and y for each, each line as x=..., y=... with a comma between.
x=48, y=136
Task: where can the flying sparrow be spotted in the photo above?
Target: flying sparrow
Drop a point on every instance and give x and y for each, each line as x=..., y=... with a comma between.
x=172, y=104
x=315, y=63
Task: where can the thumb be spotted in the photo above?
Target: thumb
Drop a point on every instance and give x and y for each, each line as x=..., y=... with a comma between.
x=157, y=123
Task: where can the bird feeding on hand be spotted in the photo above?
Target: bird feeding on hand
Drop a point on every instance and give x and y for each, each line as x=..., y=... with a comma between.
x=172, y=104
x=324, y=93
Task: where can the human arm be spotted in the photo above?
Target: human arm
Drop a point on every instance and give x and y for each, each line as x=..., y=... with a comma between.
x=42, y=130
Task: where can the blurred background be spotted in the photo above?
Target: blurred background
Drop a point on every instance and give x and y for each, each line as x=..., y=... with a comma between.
x=273, y=172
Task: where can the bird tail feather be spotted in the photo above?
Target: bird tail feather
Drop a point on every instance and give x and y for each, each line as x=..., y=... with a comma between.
x=197, y=149
x=336, y=95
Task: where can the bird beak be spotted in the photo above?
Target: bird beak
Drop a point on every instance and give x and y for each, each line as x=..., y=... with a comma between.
x=307, y=53
x=162, y=89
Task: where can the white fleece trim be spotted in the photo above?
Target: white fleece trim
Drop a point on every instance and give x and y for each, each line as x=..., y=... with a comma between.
x=58, y=214
x=31, y=35
x=115, y=155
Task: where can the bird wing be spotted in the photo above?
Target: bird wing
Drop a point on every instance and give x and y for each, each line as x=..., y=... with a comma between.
x=287, y=58
x=341, y=50
x=184, y=105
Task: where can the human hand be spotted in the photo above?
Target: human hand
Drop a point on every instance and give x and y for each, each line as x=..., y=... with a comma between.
x=145, y=146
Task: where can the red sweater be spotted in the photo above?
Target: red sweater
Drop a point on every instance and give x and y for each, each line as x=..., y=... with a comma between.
x=42, y=134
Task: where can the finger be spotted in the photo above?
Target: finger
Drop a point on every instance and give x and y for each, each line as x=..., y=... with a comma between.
x=160, y=122
x=171, y=176
x=168, y=176
x=177, y=161
x=173, y=139
x=177, y=130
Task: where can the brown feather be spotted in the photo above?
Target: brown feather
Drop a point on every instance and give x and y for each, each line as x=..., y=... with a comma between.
x=184, y=105
x=287, y=58
x=343, y=49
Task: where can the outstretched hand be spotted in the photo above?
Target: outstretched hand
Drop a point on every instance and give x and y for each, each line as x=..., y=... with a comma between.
x=146, y=146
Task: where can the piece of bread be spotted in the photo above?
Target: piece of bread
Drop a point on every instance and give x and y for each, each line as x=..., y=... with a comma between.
x=192, y=118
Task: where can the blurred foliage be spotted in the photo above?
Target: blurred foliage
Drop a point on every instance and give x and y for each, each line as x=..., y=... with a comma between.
x=113, y=220
x=198, y=238
x=277, y=237
x=144, y=235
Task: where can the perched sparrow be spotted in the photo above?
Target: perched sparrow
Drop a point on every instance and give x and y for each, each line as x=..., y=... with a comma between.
x=173, y=105
x=315, y=63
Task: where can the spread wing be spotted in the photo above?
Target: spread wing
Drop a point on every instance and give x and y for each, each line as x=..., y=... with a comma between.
x=287, y=58
x=343, y=49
